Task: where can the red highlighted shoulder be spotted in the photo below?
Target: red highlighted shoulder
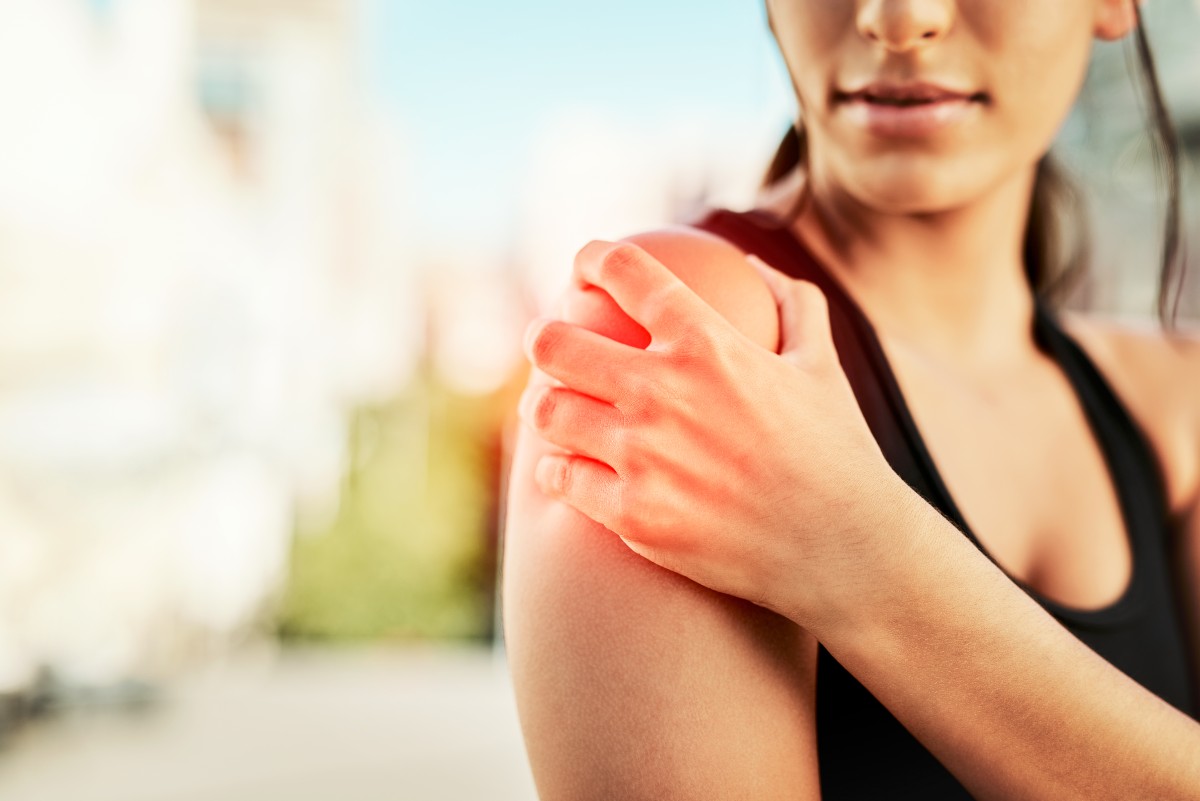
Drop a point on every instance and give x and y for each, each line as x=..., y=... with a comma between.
x=714, y=269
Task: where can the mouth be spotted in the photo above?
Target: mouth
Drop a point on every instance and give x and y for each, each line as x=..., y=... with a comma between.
x=906, y=94
x=907, y=110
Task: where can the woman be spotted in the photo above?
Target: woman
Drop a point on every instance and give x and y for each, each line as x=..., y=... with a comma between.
x=738, y=562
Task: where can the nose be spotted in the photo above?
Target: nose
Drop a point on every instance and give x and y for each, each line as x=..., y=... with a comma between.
x=903, y=25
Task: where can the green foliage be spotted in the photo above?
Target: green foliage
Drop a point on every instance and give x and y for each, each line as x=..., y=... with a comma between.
x=408, y=554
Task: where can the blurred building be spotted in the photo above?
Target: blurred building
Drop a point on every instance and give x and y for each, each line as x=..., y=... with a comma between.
x=203, y=270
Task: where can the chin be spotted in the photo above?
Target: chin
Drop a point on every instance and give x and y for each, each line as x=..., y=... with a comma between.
x=904, y=184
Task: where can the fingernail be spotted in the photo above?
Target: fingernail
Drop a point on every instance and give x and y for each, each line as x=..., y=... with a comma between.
x=528, y=399
x=546, y=473
x=531, y=332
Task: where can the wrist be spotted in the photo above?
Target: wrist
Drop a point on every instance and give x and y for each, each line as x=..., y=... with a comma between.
x=884, y=566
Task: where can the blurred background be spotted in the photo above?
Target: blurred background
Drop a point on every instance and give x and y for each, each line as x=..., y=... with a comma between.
x=264, y=270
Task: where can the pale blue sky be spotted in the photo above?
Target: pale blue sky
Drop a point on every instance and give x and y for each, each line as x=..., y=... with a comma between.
x=473, y=80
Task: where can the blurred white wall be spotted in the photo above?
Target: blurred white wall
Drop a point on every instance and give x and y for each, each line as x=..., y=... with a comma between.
x=599, y=176
x=201, y=270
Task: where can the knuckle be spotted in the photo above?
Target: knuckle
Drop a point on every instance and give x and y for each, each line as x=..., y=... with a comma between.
x=618, y=261
x=543, y=408
x=700, y=359
x=695, y=342
x=586, y=254
x=622, y=448
x=629, y=447
x=640, y=516
x=625, y=511
x=657, y=521
x=544, y=342
x=639, y=386
x=644, y=401
x=566, y=476
x=677, y=295
x=702, y=344
x=590, y=247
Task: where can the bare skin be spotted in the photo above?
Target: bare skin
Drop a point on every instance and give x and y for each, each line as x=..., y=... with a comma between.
x=633, y=682
x=890, y=588
x=890, y=216
x=1054, y=521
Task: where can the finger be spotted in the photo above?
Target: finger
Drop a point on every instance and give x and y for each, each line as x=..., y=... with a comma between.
x=572, y=421
x=804, y=320
x=590, y=487
x=803, y=309
x=582, y=359
x=645, y=289
x=775, y=280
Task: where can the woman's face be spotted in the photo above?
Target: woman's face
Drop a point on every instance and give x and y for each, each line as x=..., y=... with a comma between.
x=1019, y=65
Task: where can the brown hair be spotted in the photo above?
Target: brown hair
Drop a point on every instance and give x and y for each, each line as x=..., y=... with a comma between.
x=1057, y=246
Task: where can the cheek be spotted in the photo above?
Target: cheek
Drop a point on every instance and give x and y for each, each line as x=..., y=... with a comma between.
x=811, y=37
x=1034, y=56
x=1036, y=87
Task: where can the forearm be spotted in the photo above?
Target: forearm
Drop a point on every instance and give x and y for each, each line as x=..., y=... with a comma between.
x=1009, y=700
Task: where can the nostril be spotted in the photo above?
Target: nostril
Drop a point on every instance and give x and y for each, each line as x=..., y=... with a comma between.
x=929, y=34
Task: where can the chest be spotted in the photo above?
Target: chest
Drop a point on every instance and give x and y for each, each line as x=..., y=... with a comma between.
x=1027, y=472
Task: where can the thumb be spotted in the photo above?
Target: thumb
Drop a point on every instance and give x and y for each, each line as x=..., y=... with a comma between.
x=803, y=312
x=775, y=280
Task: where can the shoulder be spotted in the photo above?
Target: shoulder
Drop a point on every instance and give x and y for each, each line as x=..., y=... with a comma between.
x=718, y=272
x=1165, y=364
x=608, y=651
x=1157, y=373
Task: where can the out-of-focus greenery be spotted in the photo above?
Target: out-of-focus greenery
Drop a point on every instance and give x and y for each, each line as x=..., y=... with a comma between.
x=411, y=552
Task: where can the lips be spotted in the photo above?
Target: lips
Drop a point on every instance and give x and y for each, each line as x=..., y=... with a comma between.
x=906, y=94
x=908, y=110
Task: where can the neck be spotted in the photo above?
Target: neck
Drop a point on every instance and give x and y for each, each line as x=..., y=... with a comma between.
x=950, y=283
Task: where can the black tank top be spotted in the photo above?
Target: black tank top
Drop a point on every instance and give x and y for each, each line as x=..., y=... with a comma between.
x=863, y=750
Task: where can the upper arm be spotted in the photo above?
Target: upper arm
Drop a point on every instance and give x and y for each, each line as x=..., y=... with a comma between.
x=632, y=681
